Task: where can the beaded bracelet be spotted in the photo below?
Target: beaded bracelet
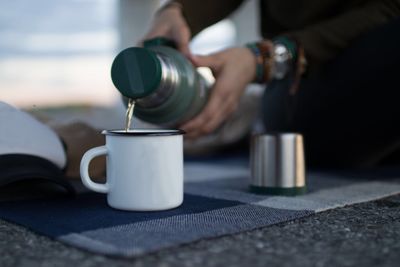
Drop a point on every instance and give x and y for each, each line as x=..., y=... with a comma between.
x=261, y=51
x=265, y=58
x=259, y=62
x=266, y=48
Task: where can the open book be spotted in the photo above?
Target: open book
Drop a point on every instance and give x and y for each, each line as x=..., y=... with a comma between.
x=29, y=150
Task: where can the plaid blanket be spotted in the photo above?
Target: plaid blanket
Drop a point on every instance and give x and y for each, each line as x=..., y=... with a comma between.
x=217, y=202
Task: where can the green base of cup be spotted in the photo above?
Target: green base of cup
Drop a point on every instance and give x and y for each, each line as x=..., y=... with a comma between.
x=292, y=191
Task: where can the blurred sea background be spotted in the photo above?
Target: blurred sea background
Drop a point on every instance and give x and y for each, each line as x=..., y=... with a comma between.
x=57, y=52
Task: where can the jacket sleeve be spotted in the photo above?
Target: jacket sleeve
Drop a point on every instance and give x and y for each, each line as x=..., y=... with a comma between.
x=323, y=41
x=200, y=14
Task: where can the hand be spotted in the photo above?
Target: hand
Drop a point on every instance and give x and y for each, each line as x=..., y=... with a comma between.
x=170, y=23
x=233, y=69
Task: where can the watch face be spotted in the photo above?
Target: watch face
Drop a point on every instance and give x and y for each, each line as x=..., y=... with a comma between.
x=282, y=60
x=281, y=52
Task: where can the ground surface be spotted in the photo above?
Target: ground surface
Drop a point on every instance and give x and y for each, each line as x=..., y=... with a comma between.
x=366, y=234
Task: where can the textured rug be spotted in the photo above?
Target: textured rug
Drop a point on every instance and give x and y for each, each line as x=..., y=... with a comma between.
x=217, y=202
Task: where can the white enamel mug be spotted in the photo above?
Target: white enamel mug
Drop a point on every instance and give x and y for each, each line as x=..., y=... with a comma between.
x=144, y=169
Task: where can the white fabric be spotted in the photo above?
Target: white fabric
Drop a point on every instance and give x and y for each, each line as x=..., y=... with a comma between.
x=20, y=133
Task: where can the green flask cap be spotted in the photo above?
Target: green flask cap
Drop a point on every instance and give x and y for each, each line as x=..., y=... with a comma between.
x=159, y=41
x=136, y=72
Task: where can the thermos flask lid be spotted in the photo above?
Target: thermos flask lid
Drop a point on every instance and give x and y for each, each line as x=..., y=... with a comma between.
x=159, y=41
x=277, y=164
x=136, y=72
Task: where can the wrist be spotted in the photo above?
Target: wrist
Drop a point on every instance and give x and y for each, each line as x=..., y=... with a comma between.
x=262, y=53
x=258, y=76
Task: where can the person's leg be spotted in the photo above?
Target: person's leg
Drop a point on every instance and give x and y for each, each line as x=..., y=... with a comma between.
x=350, y=114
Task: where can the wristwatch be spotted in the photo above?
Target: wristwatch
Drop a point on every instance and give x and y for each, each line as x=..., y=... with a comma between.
x=282, y=61
x=276, y=59
x=283, y=57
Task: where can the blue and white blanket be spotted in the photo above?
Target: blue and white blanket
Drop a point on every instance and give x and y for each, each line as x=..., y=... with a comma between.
x=217, y=202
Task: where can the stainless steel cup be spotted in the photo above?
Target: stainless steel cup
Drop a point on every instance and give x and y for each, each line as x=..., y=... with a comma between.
x=277, y=164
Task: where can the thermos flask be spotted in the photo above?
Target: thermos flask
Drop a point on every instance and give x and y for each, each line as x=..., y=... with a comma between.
x=167, y=89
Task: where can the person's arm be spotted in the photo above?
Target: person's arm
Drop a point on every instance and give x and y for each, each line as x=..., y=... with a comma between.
x=324, y=41
x=201, y=14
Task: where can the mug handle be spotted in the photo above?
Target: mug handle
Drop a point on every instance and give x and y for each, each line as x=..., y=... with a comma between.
x=84, y=169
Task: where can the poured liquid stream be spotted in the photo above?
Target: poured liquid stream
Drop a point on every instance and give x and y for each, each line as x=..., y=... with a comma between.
x=129, y=113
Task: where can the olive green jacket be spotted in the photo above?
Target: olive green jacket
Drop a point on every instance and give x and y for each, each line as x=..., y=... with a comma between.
x=323, y=27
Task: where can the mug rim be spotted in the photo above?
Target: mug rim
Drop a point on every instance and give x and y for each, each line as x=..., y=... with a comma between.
x=144, y=132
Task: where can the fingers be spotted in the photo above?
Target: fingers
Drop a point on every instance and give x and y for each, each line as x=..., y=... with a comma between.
x=180, y=35
x=153, y=33
x=208, y=120
x=222, y=101
x=221, y=104
x=211, y=61
x=184, y=49
x=170, y=23
x=182, y=38
x=233, y=69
